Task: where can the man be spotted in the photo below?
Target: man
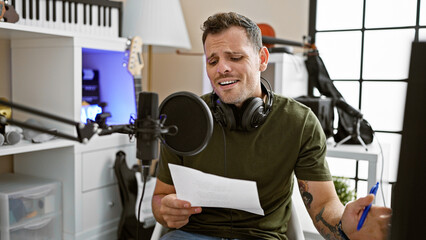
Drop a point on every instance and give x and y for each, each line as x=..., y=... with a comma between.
x=283, y=138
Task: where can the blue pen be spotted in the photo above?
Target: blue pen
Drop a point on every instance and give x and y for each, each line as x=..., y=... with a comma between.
x=367, y=209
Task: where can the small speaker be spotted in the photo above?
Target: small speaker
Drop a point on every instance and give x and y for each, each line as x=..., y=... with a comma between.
x=1, y=139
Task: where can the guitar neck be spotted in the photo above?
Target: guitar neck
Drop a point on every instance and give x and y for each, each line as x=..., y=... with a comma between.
x=138, y=87
x=135, y=65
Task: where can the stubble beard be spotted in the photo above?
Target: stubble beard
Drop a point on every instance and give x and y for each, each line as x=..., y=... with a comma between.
x=237, y=97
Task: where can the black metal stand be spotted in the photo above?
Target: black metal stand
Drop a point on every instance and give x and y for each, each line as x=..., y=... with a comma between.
x=84, y=131
x=355, y=134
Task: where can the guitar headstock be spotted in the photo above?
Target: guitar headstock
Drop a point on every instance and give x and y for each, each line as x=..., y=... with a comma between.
x=135, y=62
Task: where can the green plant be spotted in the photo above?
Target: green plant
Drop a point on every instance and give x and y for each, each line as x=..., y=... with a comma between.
x=343, y=190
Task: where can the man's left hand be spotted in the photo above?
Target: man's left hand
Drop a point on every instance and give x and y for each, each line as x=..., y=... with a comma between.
x=376, y=225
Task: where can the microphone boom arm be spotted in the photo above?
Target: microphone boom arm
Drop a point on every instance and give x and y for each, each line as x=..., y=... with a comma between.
x=84, y=131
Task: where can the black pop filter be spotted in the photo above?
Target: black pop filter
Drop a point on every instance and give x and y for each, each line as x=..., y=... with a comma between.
x=193, y=119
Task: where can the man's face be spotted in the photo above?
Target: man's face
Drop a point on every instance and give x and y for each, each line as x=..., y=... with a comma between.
x=234, y=66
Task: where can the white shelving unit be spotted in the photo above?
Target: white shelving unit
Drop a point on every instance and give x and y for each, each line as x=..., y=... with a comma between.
x=46, y=74
x=26, y=146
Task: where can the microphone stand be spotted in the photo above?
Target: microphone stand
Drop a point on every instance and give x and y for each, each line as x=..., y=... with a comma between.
x=355, y=134
x=84, y=131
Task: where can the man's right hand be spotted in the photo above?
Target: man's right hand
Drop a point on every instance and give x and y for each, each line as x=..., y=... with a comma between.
x=176, y=212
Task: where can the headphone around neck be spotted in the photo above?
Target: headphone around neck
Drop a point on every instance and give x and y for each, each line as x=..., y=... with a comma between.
x=250, y=116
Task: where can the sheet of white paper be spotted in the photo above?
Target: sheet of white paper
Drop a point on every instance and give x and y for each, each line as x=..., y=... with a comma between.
x=208, y=190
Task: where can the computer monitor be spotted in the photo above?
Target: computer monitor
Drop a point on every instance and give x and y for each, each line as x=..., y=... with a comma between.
x=408, y=205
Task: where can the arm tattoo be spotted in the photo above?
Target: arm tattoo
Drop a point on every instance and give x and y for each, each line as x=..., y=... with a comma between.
x=332, y=232
x=306, y=196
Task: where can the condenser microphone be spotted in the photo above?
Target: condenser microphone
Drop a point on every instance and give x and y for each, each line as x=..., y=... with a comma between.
x=147, y=130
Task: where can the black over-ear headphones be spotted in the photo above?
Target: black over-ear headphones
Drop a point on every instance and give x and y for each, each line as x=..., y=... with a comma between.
x=250, y=116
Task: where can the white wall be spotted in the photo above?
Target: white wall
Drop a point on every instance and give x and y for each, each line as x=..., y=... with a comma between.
x=5, y=68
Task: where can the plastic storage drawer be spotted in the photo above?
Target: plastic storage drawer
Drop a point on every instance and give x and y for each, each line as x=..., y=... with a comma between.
x=27, y=200
x=48, y=227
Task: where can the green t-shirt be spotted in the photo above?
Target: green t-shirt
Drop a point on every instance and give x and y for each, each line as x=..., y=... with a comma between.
x=290, y=141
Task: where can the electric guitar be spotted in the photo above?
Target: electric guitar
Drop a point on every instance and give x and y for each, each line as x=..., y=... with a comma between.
x=135, y=64
x=128, y=186
x=8, y=12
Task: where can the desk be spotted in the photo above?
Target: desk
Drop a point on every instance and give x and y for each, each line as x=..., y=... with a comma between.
x=357, y=152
